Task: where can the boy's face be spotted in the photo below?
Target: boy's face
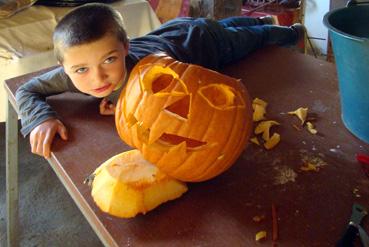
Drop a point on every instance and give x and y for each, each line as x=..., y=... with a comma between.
x=97, y=68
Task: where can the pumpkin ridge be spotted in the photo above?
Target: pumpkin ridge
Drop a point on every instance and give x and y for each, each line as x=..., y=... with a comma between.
x=130, y=141
x=189, y=70
x=224, y=162
x=179, y=126
x=241, y=142
x=200, y=173
x=192, y=153
x=215, y=159
x=238, y=114
x=164, y=156
x=155, y=122
x=162, y=105
x=192, y=118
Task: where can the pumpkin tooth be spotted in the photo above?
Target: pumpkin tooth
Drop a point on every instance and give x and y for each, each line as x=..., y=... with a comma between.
x=165, y=122
x=179, y=151
x=156, y=132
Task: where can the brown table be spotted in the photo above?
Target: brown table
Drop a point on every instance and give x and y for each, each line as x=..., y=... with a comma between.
x=313, y=208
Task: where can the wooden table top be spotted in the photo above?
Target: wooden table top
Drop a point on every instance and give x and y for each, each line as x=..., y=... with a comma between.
x=313, y=208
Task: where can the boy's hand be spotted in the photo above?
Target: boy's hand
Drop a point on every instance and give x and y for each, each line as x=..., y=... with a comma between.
x=42, y=136
x=106, y=107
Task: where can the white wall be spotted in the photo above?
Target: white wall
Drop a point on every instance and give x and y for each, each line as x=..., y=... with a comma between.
x=314, y=13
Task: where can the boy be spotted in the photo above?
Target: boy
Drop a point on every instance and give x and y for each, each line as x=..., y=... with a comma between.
x=95, y=55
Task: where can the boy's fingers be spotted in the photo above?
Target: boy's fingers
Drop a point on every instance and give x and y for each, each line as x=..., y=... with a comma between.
x=103, y=102
x=46, y=147
x=39, y=146
x=102, y=105
x=32, y=141
x=46, y=143
x=63, y=132
x=35, y=145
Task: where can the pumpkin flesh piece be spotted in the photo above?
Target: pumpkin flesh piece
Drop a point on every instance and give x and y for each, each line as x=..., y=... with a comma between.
x=128, y=185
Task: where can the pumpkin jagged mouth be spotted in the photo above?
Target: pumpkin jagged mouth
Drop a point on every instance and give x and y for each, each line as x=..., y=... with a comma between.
x=173, y=140
x=165, y=138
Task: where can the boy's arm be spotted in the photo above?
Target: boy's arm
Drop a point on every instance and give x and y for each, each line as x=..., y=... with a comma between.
x=31, y=98
x=37, y=116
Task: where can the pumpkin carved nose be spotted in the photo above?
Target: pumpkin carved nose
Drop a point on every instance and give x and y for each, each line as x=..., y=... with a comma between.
x=180, y=107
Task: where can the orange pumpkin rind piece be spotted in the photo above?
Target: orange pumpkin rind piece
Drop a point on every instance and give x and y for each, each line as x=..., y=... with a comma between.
x=258, y=114
x=260, y=236
x=309, y=167
x=261, y=102
x=255, y=141
x=259, y=107
x=310, y=128
x=301, y=113
x=264, y=128
x=273, y=141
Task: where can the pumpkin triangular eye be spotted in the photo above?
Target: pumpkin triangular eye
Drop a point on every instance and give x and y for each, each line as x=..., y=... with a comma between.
x=180, y=107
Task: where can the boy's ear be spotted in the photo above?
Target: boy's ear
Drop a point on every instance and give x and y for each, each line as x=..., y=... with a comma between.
x=126, y=46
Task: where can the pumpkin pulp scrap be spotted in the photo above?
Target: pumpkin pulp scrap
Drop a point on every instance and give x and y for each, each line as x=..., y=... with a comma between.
x=127, y=184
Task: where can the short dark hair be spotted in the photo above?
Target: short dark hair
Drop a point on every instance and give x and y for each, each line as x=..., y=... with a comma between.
x=86, y=24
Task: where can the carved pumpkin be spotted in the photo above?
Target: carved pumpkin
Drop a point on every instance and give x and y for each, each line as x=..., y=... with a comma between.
x=191, y=122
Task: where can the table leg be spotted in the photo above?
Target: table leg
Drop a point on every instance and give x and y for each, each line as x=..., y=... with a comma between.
x=12, y=175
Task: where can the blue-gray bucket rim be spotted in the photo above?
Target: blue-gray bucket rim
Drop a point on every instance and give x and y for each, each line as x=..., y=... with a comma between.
x=336, y=30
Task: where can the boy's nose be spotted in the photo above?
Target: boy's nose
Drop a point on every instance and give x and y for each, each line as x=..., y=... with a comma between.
x=100, y=75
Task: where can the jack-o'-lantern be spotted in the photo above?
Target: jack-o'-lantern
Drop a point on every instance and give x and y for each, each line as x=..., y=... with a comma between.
x=191, y=122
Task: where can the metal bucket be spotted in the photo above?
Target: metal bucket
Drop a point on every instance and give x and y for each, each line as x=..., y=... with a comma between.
x=349, y=33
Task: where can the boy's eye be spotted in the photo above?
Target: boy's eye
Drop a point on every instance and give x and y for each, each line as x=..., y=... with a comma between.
x=110, y=59
x=81, y=70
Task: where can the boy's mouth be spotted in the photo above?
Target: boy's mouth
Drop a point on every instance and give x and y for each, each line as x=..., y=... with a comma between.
x=102, y=89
